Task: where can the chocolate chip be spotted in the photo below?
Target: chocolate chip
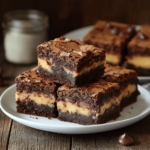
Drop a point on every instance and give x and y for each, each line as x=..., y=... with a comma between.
x=125, y=140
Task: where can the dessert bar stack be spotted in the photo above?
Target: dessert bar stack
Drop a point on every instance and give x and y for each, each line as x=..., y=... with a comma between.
x=138, y=57
x=73, y=83
x=113, y=37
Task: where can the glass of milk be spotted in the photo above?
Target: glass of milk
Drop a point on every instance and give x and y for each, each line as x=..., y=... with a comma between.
x=24, y=30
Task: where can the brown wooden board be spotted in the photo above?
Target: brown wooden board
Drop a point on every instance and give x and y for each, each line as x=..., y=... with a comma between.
x=26, y=138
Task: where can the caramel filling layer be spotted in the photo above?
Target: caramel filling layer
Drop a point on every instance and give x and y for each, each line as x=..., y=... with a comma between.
x=38, y=98
x=139, y=61
x=43, y=63
x=67, y=106
x=112, y=58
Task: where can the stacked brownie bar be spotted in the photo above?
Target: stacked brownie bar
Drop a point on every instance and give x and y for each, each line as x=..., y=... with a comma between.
x=70, y=62
x=73, y=79
x=113, y=37
x=139, y=52
x=35, y=95
x=127, y=80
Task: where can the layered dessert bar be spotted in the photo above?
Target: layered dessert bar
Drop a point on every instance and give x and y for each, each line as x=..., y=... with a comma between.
x=113, y=37
x=93, y=103
x=70, y=62
x=34, y=95
x=127, y=80
x=139, y=52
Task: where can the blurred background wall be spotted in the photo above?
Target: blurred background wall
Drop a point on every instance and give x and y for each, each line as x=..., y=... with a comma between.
x=67, y=15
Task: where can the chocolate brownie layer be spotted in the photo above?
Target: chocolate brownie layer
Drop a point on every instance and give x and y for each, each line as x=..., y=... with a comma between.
x=119, y=74
x=31, y=81
x=111, y=36
x=141, y=71
x=68, y=79
x=64, y=57
x=28, y=106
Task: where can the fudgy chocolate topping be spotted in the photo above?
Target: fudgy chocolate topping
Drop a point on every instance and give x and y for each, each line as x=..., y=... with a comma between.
x=116, y=28
x=30, y=80
x=94, y=93
x=140, y=43
x=71, y=53
x=118, y=74
x=111, y=36
x=125, y=140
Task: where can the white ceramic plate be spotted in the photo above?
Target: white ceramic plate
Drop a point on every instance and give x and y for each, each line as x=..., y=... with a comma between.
x=80, y=33
x=129, y=115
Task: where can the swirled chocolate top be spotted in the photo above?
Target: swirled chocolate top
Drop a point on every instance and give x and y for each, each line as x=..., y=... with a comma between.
x=140, y=44
x=110, y=35
x=31, y=81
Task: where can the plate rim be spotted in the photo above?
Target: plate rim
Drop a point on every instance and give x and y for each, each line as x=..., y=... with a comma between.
x=145, y=113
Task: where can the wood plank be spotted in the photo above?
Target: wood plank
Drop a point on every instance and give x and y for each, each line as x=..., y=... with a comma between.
x=5, y=123
x=26, y=138
x=140, y=132
x=5, y=127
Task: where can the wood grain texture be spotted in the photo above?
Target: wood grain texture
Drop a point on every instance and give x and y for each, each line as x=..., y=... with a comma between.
x=67, y=15
x=5, y=125
x=25, y=138
x=140, y=132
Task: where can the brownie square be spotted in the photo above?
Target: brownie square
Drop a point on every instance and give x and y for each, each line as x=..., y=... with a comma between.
x=34, y=95
x=138, y=57
x=113, y=37
x=93, y=103
x=70, y=62
x=127, y=80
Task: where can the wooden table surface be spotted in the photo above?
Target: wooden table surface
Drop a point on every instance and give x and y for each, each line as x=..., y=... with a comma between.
x=15, y=136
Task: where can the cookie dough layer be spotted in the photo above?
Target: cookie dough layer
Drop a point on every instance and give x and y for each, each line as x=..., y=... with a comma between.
x=139, y=61
x=38, y=98
x=36, y=104
x=113, y=59
x=49, y=65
